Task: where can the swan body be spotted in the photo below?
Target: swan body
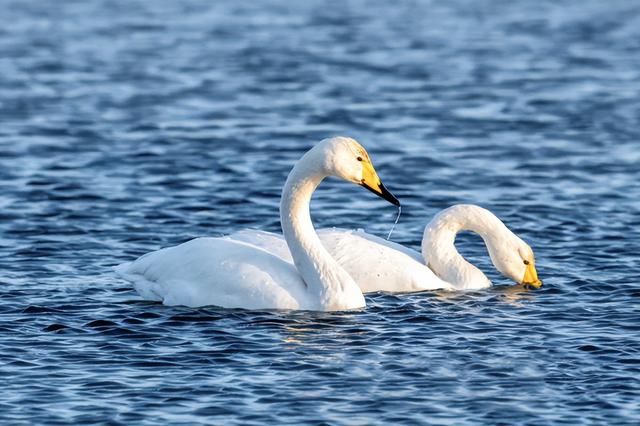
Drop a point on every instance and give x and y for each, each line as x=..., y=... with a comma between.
x=236, y=274
x=373, y=262
x=218, y=271
x=379, y=265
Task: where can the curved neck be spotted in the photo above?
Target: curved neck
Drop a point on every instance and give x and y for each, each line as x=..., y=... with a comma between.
x=439, y=251
x=331, y=285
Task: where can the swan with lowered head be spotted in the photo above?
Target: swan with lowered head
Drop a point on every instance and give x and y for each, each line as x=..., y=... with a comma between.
x=379, y=265
x=236, y=274
x=509, y=254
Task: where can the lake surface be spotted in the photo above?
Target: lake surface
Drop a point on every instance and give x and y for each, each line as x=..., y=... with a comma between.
x=127, y=126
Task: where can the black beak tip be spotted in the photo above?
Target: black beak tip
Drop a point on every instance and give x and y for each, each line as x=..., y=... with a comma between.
x=529, y=286
x=389, y=196
x=393, y=200
x=384, y=193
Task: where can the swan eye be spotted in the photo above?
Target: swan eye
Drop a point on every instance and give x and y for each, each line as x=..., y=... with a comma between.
x=359, y=158
x=526, y=262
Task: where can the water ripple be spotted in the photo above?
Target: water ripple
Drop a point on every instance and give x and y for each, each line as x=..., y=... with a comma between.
x=128, y=127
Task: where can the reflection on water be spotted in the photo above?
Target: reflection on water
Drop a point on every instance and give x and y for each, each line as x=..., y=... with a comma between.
x=515, y=295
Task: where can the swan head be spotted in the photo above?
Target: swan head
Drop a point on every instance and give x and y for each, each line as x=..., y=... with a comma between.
x=514, y=259
x=347, y=159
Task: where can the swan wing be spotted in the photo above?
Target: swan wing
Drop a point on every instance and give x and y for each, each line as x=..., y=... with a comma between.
x=273, y=243
x=380, y=265
x=373, y=262
x=217, y=271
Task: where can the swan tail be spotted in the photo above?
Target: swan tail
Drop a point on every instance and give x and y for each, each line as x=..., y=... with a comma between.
x=147, y=289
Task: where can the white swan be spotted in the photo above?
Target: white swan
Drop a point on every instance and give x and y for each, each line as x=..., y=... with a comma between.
x=379, y=265
x=509, y=254
x=234, y=274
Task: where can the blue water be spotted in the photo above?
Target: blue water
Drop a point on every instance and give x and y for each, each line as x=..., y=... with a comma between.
x=126, y=126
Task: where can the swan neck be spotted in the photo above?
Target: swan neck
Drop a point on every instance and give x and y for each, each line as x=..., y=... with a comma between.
x=324, y=277
x=438, y=245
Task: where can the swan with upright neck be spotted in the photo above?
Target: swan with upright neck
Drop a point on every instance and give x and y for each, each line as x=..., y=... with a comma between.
x=379, y=265
x=238, y=274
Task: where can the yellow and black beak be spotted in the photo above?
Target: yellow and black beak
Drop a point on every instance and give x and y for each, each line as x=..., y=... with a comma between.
x=531, y=277
x=371, y=181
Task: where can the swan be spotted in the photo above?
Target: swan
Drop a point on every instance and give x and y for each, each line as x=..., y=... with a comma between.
x=380, y=265
x=235, y=274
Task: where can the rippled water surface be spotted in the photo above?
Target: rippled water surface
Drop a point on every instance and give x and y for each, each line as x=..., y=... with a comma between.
x=126, y=126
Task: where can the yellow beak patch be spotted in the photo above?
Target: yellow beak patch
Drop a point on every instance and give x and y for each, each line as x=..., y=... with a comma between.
x=371, y=181
x=531, y=276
